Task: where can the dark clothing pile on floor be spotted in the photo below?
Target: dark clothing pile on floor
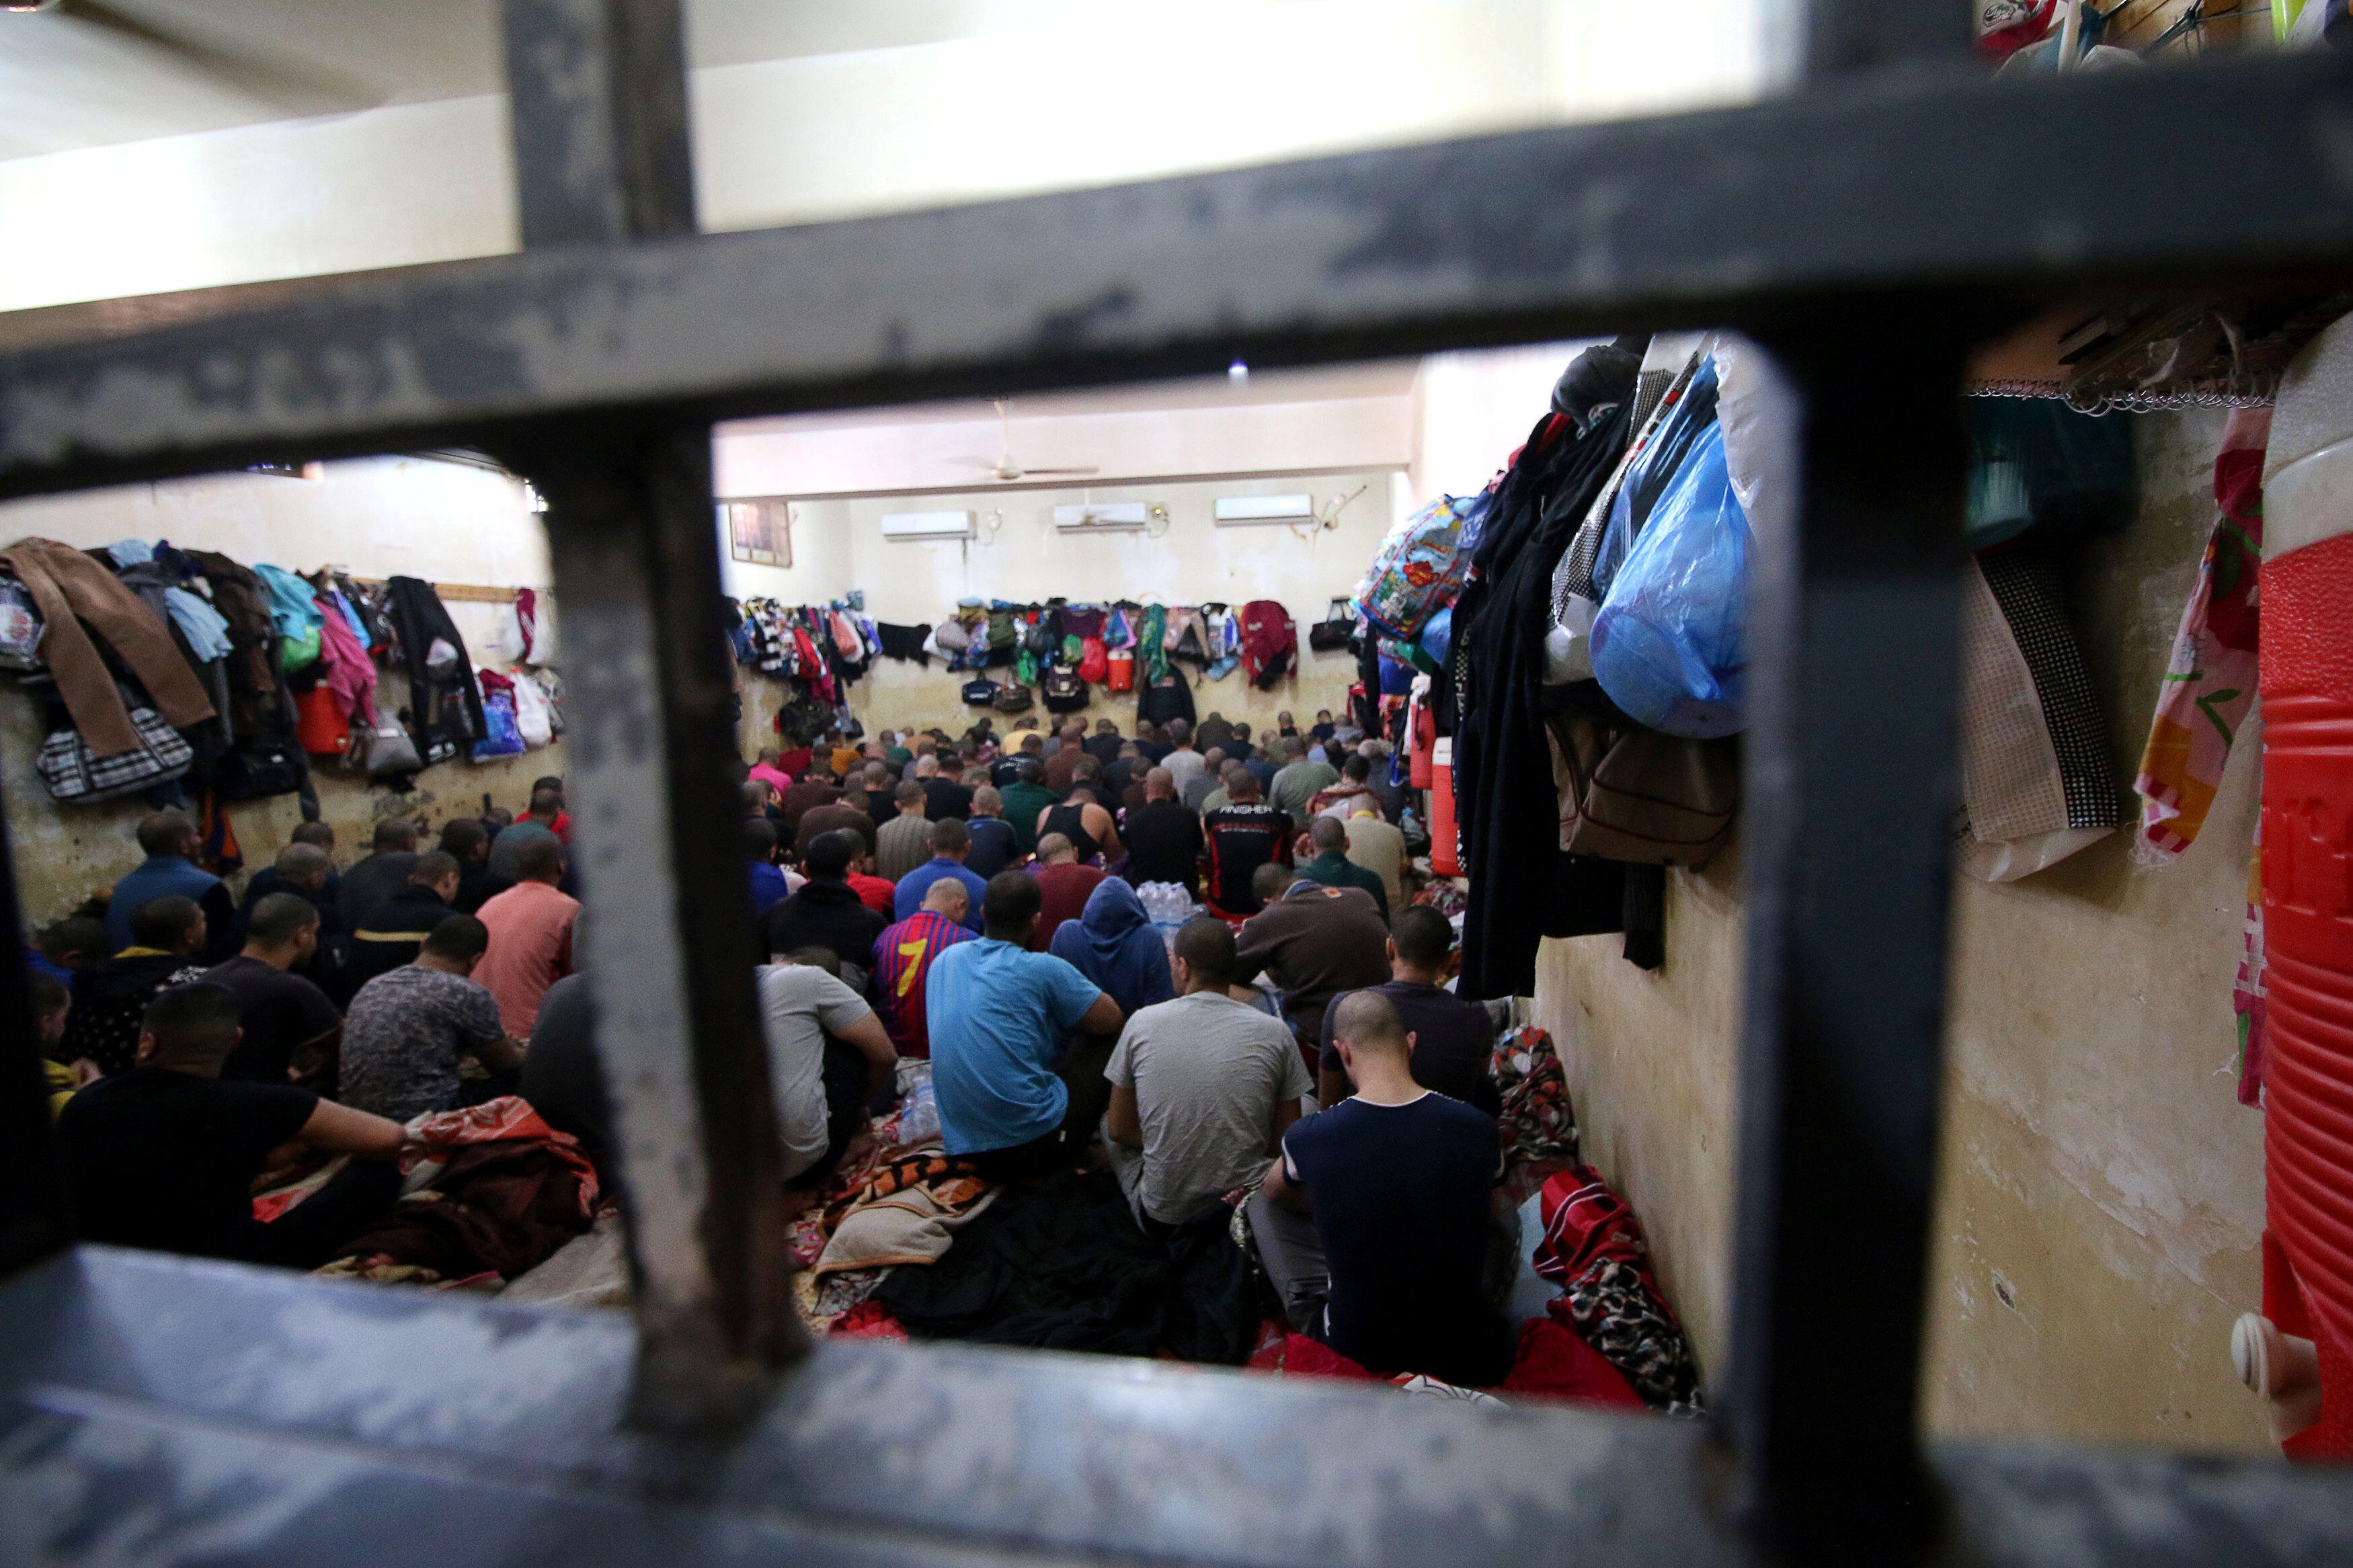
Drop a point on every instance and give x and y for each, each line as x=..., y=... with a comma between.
x=1062, y=1264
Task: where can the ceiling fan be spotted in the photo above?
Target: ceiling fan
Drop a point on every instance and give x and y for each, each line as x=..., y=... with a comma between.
x=1005, y=468
x=297, y=91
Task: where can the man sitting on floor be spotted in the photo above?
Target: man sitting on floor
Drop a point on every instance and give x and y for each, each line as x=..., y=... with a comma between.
x=993, y=844
x=377, y=876
x=1332, y=866
x=1373, y=1224
x=167, y=935
x=165, y=1155
x=1063, y=887
x=904, y=842
x=290, y=1029
x=531, y=936
x=829, y=1058
x=827, y=912
x=395, y=930
x=902, y=959
x=1314, y=942
x=1454, y=1038
x=172, y=845
x=951, y=842
x=999, y=1014
x=1203, y=1087
x=767, y=877
x=408, y=1030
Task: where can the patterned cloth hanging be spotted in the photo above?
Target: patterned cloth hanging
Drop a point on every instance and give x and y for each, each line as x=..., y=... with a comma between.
x=2210, y=681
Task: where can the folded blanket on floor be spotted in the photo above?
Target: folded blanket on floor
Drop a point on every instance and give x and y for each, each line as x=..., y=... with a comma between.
x=1593, y=1248
x=1552, y=1362
x=503, y=1192
x=913, y=1225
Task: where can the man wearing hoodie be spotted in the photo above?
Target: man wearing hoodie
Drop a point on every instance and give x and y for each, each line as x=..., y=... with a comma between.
x=827, y=912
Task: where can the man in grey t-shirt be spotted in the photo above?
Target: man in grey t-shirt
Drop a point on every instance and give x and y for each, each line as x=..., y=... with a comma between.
x=407, y=1028
x=822, y=1085
x=1202, y=1088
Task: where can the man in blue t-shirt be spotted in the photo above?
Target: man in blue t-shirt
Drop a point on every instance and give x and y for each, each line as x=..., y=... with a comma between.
x=1000, y=1018
x=951, y=842
x=1396, y=1180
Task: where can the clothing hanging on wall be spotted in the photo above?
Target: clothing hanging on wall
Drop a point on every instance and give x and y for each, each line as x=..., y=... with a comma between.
x=1522, y=888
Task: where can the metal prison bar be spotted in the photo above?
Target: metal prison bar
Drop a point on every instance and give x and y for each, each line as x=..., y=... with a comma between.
x=157, y=1409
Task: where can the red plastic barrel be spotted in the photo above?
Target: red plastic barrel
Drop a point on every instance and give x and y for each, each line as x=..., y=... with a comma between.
x=2308, y=869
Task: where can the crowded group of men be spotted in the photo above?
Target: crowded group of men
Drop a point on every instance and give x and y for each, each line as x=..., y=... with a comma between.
x=1011, y=907
x=194, y=1039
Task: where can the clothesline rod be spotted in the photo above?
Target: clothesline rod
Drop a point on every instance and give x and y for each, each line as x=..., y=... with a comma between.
x=466, y=592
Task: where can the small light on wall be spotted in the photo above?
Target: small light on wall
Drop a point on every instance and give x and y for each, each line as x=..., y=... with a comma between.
x=1237, y=372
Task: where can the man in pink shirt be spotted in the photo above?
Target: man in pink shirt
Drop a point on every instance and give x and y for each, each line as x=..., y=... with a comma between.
x=767, y=769
x=531, y=936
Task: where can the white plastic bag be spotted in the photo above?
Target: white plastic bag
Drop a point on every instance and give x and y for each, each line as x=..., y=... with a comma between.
x=534, y=717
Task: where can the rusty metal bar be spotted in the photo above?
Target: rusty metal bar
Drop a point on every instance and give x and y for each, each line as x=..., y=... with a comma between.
x=161, y=1410
x=1749, y=216
x=598, y=88
x=1850, y=788
x=597, y=93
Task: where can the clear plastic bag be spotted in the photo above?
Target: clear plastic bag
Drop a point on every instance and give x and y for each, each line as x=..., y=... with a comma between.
x=1669, y=646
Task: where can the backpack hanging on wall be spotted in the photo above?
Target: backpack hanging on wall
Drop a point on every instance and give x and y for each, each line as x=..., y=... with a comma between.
x=1094, y=661
x=1419, y=568
x=1063, y=690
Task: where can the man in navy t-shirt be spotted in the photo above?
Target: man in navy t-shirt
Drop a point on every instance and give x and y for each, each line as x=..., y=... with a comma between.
x=1396, y=1180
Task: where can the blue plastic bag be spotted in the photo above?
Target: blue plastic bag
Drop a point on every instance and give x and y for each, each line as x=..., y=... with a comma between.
x=1669, y=646
x=1437, y=637
x=505, y=736
x=1656, y=468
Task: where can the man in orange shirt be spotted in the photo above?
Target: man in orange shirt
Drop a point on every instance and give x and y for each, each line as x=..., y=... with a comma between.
x=531, y=937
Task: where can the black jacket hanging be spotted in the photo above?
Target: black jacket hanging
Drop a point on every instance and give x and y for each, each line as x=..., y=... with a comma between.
x=1522, y=887
x=445, y=708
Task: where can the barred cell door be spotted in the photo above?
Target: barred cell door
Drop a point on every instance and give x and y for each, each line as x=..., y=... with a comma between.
x=154, y=1409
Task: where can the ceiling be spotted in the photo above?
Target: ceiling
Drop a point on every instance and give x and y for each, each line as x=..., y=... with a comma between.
x=67, y=83
x=1373, y=378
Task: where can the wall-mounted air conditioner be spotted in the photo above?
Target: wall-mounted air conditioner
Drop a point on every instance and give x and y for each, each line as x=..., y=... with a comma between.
x=927, y=525
x=1233, y=510
x=1104, y=517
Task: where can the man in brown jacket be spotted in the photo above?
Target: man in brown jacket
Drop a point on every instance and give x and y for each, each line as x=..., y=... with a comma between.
x=1313, y=942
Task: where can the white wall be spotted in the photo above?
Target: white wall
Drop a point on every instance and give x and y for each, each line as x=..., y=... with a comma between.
x=1022, y=557
x=1086, y=94
x=1471, y=411
x=817, y=457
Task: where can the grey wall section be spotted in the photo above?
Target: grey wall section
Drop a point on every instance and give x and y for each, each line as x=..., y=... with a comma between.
x=2100, y=1202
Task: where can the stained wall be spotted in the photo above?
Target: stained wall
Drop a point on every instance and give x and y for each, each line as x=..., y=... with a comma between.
x=443, y=522
x=2100, y=1188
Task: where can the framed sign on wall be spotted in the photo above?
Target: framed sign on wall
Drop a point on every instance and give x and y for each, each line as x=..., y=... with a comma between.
x=759, y=532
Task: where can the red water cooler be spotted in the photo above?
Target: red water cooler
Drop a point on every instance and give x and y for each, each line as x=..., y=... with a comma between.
x=1443, y=859
x=2307, y=874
